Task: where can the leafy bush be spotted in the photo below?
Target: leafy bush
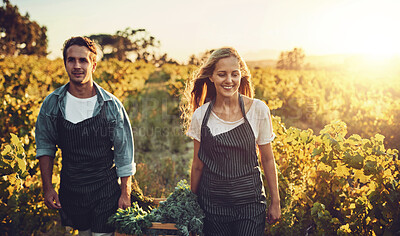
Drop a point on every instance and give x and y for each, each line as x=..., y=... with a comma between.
x=181, y=208
x=336, y=185
x=22, y=211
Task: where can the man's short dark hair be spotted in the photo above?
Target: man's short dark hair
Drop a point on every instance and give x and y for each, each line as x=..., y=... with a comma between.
x=80, y=41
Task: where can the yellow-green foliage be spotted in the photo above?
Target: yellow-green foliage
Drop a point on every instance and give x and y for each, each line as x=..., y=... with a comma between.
x=311, y=99
x=338, y=174
x=334, y=184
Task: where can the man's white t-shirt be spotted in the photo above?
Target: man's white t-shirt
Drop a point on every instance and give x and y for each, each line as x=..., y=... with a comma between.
x=258, y=115
x=79, y=109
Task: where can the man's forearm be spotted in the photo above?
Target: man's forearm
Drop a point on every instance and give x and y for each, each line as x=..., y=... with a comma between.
x=46, y=170
x=126, y=185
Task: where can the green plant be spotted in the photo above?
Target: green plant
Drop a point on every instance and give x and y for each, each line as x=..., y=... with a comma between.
x=181, y=208
x=22, y=211
x=337, y=185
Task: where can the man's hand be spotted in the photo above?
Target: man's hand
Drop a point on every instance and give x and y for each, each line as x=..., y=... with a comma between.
x=51, y=199
x=124, y=201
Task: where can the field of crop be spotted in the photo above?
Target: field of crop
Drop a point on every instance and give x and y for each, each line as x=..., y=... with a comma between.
x=336, y=147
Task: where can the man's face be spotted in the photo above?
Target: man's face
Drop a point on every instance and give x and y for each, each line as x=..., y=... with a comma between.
x=79, y=66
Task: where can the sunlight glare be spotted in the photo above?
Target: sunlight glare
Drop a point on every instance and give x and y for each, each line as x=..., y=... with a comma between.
x=357, y=28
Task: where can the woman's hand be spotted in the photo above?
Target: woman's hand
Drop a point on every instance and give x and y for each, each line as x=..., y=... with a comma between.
x=274, y=213
x=268, y=163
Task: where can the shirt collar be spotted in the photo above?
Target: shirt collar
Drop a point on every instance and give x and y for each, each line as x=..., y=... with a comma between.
x=102, y=95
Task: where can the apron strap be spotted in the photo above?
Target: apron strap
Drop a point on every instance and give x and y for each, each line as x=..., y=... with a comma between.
x=241, y=103
x=208, y=112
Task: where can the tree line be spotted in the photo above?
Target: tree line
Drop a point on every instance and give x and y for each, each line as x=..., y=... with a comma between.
x=22, y=36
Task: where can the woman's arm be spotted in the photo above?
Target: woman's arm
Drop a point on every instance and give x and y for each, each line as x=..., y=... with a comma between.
x=197, y=168
x=268, y=163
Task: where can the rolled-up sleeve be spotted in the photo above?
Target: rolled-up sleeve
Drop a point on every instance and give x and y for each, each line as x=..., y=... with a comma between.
x=123, y=144
x=45, y=134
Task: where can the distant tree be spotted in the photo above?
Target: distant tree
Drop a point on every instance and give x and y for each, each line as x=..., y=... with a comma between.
x=200, y=59
x=164, y=59
x=291, y=60
x=129, y=44
x=19, y=35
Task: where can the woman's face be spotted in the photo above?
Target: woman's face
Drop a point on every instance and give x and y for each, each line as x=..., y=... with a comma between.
x=226, y=77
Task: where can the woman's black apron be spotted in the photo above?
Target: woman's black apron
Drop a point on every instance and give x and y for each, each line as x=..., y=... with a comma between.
x=89, y=189
x=231, y=183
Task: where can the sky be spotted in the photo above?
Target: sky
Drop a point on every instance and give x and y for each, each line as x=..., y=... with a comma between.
x=258, y=29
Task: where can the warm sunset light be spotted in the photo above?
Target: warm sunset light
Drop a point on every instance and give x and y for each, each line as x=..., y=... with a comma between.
x=364, y=28
x=131, y=117
x=188, y=27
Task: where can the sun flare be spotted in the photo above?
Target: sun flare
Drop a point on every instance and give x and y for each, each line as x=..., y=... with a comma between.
x=354, y=28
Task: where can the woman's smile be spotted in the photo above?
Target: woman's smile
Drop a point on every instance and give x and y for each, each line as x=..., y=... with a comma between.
x=226, y=77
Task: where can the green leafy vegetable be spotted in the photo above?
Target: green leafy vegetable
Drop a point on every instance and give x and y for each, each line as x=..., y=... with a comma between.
x=181, y=208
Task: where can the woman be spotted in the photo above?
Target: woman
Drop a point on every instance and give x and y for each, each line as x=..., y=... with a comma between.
x=227, y=126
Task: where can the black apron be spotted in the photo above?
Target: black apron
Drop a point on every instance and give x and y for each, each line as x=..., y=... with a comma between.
x=89, y=189
x=231, y=183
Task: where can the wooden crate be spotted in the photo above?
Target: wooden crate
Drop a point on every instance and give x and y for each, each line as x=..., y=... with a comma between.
x=156, y=225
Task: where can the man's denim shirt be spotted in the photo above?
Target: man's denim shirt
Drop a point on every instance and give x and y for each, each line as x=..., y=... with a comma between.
x=46, y=127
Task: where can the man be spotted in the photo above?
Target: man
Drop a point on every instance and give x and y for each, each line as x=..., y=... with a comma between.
x=92, y=129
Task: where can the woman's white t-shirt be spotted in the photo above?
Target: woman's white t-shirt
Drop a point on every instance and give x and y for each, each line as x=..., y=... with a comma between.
x=79, y=109
x=258, y=115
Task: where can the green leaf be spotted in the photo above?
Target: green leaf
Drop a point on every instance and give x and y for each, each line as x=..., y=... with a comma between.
x=21, y=164
x=304, y=136
x=7, y=149
x=356, y=161
x=317, y=151
x=370, y=167
x=15, y=139
x=12, y=178
x=355, y=138
x=379, y=138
